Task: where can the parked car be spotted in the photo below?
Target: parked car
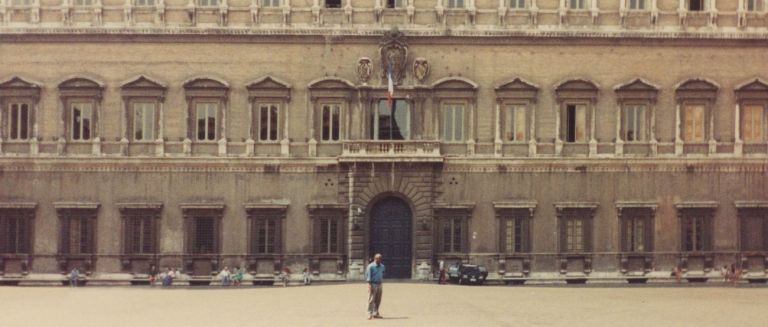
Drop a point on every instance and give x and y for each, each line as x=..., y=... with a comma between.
x=467, y=274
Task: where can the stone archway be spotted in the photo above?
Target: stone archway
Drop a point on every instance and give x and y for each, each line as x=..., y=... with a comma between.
x=391, y=234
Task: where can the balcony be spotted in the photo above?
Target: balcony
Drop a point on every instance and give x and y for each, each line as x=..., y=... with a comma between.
x=388, y=151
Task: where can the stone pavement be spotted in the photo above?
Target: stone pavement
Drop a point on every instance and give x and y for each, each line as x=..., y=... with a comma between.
x=404, y=304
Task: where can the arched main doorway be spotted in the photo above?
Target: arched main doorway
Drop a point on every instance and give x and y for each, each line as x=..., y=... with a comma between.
x=391, y=236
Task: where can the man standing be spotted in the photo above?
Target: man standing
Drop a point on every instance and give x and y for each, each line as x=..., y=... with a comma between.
x=374, y=275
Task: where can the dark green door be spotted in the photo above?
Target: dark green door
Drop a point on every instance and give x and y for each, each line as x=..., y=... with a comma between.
x=391, y=236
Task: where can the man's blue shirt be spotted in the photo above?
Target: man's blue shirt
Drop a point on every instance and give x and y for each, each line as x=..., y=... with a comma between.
x=375, y=273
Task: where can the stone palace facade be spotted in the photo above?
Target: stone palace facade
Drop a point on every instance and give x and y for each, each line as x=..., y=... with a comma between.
x=549, y=140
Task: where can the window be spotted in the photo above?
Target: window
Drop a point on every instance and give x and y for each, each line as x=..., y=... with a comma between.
x=204, y=235
x=145, y=3
x=265, y=234
x=392, y=123
x=578, y=4
x=452, y=234
x=515, y=232
x=694, y=233
x=270, y=3
x=268, y=122
x=14, y=231
x=140, y=231
x=754, y=229
x=455, y=3
x=81, y=3
x=575, y=123
x=753, y=123
x=77, y=232
x=328, y=234
x=330, y=120
x=207, y=3
x=394, y=3
x=22, y=2
x=81, y=114
x=514, y=123
x=332, y=3
x=143, y=121
x=696, y=5
x=636, y=4
x=634, y=123
x=575, y=230
x=453, y=123
x=18, y=121
x=206, y=121
x=752, y=5
x=636, y=230
x=516, y=4
x=693, y=127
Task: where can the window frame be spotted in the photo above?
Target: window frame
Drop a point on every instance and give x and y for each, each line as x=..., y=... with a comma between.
x=257, y=122
x=334, y=5
x=517, y=4
x=638, y=7
x=258, y=214
x=458, y=216
x=704, y=123
x=455, y=4
x=584, y=215
x=71, y=123
x=453, y=105
x=146, y=216
x=505, y=114
x=703, y=237
x=87, y=215
x=759, y=213
x=375, y=121
x=155, y=119
x=22, y=244
x=192, y=213
x=325, y=247
x=208, y=3
x=565, y=122
x=689, y=5
x=321, y=107
x=646, y=121
x=577, y=5
x=7, y=113
x=83, y=3
x=764, y=115
x=271, y=3
x=514, y=218
x=145, y=4
x=628, y=216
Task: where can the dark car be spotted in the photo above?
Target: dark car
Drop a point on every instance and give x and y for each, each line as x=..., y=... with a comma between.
x=467, y=274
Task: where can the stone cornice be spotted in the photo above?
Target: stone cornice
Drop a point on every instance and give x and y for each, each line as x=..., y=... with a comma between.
x=368, y=35
x=452, y=165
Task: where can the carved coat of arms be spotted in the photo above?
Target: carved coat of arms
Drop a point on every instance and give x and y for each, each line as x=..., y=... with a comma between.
x=394, y=55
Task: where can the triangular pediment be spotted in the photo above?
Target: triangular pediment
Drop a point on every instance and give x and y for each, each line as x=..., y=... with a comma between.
x=697, y=85
x=143, y=82
x=205, y=83
x=637, y=85
x=755, y=85
x=268, y=82
x=577, y=85
x=517, y=84
x=18, y=83
x=454, y=83
x=79, y=83
x=331, y=83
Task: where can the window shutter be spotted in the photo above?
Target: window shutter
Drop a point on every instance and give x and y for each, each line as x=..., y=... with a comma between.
x=563, y=237
x=649, y=230
x=316, y=234
x=340, y=234
x=709, y=222
x=587, y=225
x=90, y=235
x=127, y=235
x=683, y=240
x=464, y=234
x=503, y=234
x=4, y=234
x=64, y=235
x=278, y=234
x=525, y=233
x=216, y=236
x=764, y=220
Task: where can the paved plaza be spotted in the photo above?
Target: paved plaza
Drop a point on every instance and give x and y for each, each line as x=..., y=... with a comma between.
x=404, y=304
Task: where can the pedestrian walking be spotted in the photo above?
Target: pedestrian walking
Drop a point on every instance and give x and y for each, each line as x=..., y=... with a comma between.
x=374, y=275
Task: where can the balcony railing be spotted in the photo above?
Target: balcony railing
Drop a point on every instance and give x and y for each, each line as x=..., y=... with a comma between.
x=391, y=151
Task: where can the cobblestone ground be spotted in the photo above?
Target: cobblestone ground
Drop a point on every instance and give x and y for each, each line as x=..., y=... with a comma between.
x=404, y=304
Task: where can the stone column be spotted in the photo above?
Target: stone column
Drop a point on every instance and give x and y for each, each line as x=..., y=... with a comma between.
x=738, y=147
x=678, y=139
